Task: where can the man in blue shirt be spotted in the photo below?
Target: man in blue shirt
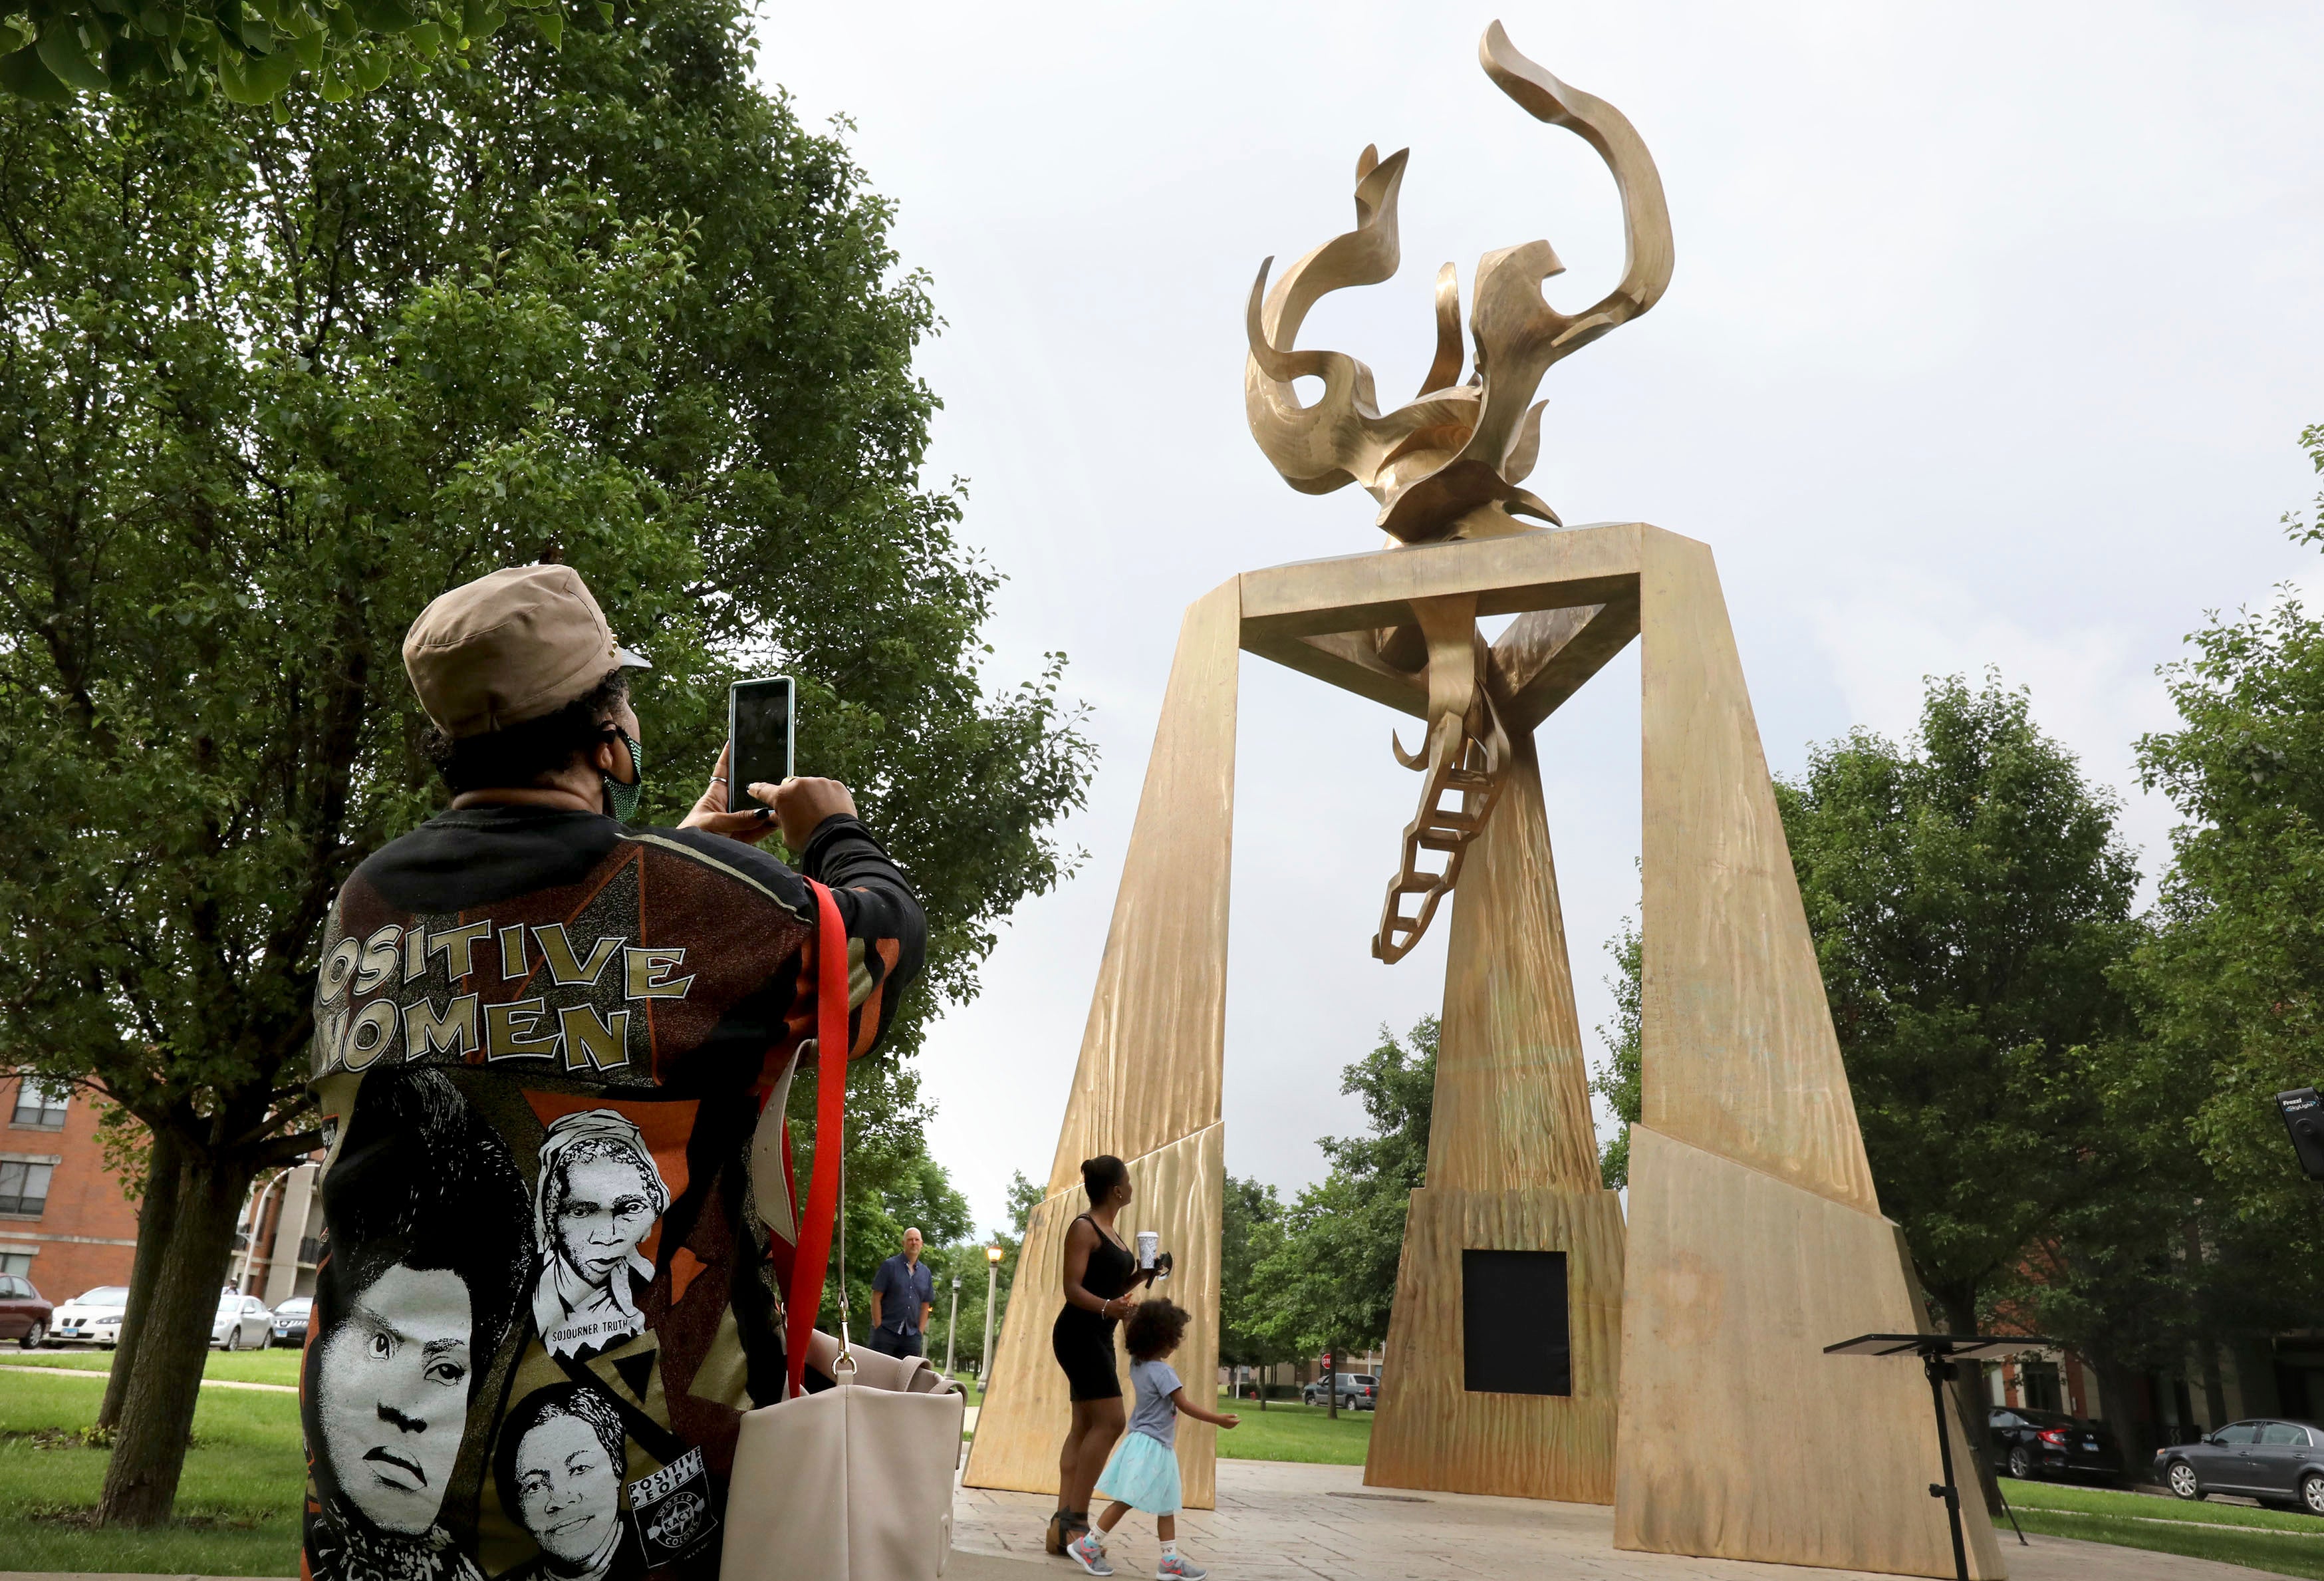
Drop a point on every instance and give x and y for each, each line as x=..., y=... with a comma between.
x=903, y=1294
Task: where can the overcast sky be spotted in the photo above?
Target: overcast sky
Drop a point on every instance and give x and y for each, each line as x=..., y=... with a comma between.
x=1992, y=335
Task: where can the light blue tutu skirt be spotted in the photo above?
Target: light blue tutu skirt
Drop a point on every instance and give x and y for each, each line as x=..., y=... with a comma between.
x=1143, y=1473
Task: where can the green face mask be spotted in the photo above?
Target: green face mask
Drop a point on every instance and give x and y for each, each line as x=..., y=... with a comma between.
x=621, y=800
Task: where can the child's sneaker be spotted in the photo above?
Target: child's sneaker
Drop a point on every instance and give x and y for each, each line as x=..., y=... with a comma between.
x=1177, y=1567
x=1084, y=1551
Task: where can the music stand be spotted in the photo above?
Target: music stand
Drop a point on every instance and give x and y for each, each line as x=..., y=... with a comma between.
x=1939, y=1353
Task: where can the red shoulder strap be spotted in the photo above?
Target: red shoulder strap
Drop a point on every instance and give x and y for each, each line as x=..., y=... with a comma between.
x=814, y=1255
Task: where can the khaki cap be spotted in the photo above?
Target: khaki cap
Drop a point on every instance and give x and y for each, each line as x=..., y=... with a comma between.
x=512, y=646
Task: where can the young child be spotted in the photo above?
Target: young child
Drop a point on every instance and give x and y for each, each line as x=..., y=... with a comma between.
x=1143, y=1473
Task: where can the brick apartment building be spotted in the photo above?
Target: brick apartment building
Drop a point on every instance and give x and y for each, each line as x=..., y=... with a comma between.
x=65, y=1222
x=68, y=1224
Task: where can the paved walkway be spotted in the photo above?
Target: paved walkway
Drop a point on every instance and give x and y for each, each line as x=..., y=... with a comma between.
x=1277, y=1522
x=1280, y=1522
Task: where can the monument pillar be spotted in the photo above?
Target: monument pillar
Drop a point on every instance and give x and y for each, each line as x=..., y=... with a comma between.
x=1756, y=1238
x=1512, y=1169
x=1146, y=1087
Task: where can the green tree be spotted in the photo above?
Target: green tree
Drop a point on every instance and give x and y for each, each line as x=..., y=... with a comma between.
x=1250, y=1233
x=1332, y=1278
x=2217, y=1238
x=1968, y=894
x=1024, y=1196
x=50, y=49
x=2164, y=1266
x=267, y=384
x=2233, y=976
x=968, y=1259
x=1617, y=1081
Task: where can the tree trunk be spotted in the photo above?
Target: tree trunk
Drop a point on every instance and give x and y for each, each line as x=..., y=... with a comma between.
x=2123, y=1394
x=156, y=1210
x=157, y=1411
x=1970, y=1399
x=2215, y=1393
x=2215, y=1387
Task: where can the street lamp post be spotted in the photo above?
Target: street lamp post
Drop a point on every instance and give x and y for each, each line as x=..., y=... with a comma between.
x=951, y=1325
x=992, y=1256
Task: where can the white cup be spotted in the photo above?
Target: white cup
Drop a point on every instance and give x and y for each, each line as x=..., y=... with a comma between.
x=1148, y=1242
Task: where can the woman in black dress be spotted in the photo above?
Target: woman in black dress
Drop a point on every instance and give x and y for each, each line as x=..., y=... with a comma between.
x=1100, y=1273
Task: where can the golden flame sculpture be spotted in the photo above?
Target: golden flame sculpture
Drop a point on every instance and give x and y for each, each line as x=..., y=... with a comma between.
x=1447, y=465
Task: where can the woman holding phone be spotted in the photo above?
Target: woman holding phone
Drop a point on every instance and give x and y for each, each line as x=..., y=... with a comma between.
x=448, y=1295
x=1100, y=1273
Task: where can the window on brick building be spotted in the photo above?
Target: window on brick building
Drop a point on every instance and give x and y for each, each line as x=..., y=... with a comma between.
x=17, y=1262
x=41, y=1103
x=25, y=1186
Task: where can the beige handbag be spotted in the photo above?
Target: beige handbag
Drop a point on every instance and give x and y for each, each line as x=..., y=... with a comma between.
x=854, y=1484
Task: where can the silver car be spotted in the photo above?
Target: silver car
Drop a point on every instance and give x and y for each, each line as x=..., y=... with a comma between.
x=242, y=1322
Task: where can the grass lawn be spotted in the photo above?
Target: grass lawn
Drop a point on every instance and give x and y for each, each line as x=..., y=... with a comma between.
x=1290, y=1431
x=237, y=1506
x=266, y=1366
x=2283, y=1541
x=1282, y=1433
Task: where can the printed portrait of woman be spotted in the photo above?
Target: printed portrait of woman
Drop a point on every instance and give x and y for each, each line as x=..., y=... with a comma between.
x=562, y=1457
x=597, y=1197
x=426, y=1213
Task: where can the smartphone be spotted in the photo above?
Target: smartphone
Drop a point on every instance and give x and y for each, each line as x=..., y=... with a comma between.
x=760, y=715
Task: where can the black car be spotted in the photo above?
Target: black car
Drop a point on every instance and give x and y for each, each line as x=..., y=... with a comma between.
x=289, y=1325
x=2274, y=1461
x=2028, y=1443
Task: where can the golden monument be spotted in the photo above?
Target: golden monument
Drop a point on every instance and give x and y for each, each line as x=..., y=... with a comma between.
x=1688, y=1385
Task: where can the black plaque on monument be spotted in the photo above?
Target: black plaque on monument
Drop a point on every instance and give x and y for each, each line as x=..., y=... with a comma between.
x=1515, y=1332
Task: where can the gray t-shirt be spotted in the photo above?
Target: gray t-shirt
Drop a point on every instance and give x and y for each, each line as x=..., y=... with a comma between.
x=1155, y=1415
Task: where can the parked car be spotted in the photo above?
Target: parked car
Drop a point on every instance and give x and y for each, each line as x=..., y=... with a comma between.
x=242, y=1321
x=24, y=1316
x=290, y=1321
x=1356, y=1390
x=2274, y=1461
x=2027, y=1443
x=92, y=1317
